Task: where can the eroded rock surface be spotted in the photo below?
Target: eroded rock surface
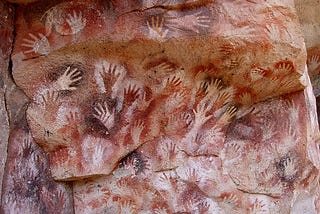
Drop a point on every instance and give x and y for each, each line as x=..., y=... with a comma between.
x=165, y=107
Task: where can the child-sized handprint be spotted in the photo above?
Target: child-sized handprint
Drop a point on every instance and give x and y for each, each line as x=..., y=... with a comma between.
x=68, y=79
x=37, y=45
x=136, y=131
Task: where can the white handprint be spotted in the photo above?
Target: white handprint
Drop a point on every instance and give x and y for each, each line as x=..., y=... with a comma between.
x=273, y=32
x=97, y=156
x=313, y=63
x=68, y=78
x=76, y=22
x=106, y=117
x=38, y=45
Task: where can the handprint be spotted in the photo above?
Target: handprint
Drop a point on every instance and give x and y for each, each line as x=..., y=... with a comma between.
x=68, y=79
x=257, y=207
x=38, y=45
x=231, y=200
x=156, y=28
x=169, y=149
x=105, y=116
x=131, y=93
x=127, y=207
x=289, y=168
x=49, y=98
x=227, y=115
x=76, y=22
x=203, y=207
x=136, y=130
x=190, y=22
x=97, y=156
x=313, y=63
x=273, y=32
x=110, y=73
x=200, y=113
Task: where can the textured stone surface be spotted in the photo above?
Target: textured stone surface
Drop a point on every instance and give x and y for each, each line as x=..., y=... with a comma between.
x=6, y=30
x=175, y=106
x=106, y=96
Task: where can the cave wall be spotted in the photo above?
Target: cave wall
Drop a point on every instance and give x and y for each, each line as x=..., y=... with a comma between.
x=160, y=107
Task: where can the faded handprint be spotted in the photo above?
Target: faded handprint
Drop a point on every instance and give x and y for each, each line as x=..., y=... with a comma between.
x=105, y=115
x=257, y=73
x=273, y=32
x=175, y=101
x=257, y=207
x=169, y=150
x=136, y=131
x=233, y=151
x=192, y=22
x=313, y=63
x=172, y=82
x=203, y=207
x=284, y=68
x=160, y=210
x=245, y=98
x=191, y=175
x=97, y=156
x=49, y=98
x=156, y=29
x=76, y=22
x=231, y=200
x=214, y=86
x=38, y=45
x=68, y=79
x=26, y=146
x=127, y=207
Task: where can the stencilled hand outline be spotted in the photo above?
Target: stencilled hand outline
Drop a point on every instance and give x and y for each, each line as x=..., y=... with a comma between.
x=105, y=115
x=68, y=78
x=156, y=29
x=37, y=45
x=76, y=22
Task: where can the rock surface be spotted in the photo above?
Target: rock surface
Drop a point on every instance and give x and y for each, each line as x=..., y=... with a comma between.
x=162, y=107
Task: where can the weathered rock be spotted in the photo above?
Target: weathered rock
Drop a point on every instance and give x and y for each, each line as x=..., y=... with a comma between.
x=139, y=63
x=182, y=106
x=6, y=35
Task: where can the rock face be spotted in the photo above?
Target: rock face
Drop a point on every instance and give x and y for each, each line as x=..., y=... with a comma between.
x=163, y=107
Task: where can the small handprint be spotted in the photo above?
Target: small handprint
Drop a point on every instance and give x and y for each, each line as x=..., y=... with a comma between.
x=169, y=150
x=49, y=98
x=289, y=168
x=127, y=207
x=214, y=86
x=313, y=64
x=73, y=117
x=38, y=45
x=68, y=79
x=227, y=116
x=136, y=131
x=172, y=82
x=105, y=115
x=76, y=22
x=97, y=156
x=273, y=32
x=156, y=29
x=191, y=175
x=203, y=207
x=192, y=22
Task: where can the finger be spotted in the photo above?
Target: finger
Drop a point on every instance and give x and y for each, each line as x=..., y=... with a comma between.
x=33, y=36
